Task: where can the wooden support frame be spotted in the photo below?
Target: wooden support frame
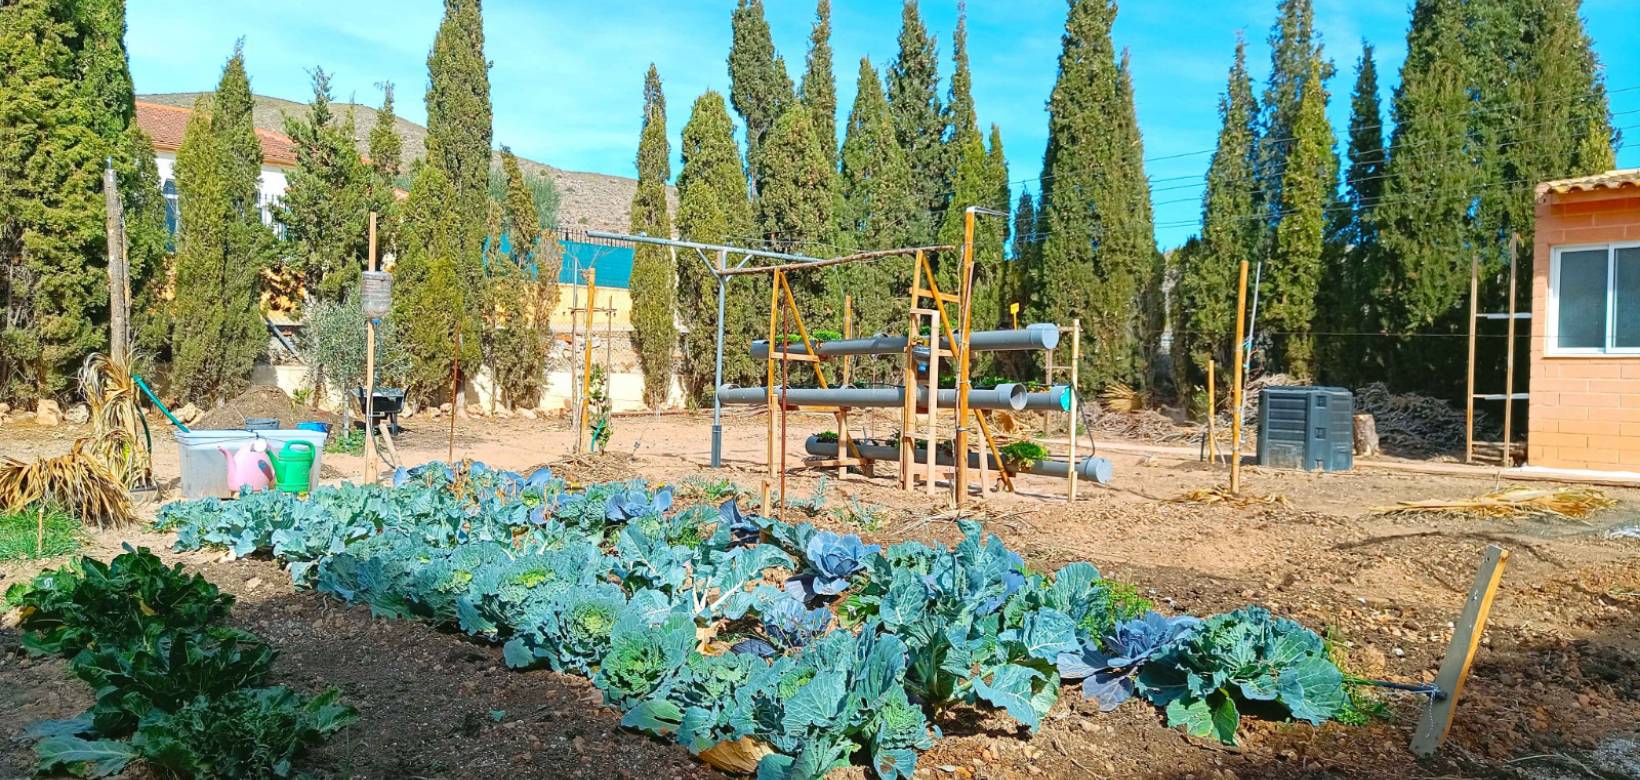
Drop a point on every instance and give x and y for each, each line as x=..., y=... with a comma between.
x=1509, y=396
x=1460, y=654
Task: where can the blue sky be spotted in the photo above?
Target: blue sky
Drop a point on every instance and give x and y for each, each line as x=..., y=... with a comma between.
x=567, y=77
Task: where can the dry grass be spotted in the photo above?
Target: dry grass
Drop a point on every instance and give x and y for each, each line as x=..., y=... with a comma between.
x=1220, y=495
x=1569, y=502
x=79, y=482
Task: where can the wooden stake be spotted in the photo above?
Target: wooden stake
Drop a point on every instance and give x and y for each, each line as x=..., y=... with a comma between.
x=774, y=314
x=1509, y=361
x=40, y=533
x=118, y=274
x=586, y=362
x=455, y=379
x=1460, y=654
x=1236, y=386
x=964, y=358
x=1469, y=394
x=370, y=470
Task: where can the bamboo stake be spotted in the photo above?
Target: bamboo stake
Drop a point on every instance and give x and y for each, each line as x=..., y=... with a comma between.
x=1236, y=386
x=1509, y=360
x=40, y=532
x=965, y=293
x=455, y=377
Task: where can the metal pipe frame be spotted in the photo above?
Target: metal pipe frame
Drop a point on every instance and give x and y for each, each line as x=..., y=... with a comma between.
x=1037, y=336
x=1008, y=397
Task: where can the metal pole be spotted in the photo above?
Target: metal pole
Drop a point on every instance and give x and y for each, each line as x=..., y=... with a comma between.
x=717, y=405
x=1076, y=404
x=1236, y=387
x=1509, y=360
x=1469, y=394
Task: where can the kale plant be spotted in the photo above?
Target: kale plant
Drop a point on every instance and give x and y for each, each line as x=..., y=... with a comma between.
x=1107, y=667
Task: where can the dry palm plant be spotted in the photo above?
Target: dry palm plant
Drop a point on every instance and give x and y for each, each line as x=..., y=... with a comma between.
x=1121, y=398
x=116, y=421
x=1569, y=502
x=79, y=482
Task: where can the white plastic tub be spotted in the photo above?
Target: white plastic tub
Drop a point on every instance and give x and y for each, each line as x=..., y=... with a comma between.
x=205, y=468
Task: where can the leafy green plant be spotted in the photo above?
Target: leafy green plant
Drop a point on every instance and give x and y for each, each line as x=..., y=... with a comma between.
x=133, y=600
x=1241, y=659
x=29, y=533
x=250, y=732
x=1023, y=454
x=347, y=442
x=829, y=437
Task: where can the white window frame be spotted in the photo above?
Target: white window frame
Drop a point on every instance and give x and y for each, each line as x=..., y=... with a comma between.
x=1551, y=331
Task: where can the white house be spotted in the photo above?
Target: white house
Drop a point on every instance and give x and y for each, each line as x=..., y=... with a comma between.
x=165, y=126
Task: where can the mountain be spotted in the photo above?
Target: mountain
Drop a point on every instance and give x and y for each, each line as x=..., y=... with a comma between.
x=586, y=201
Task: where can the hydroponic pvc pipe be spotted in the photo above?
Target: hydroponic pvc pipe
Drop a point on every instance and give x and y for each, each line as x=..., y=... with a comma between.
x=1008, y=397
x=1054, y=399
x=1036, y=336
x=1092, y=468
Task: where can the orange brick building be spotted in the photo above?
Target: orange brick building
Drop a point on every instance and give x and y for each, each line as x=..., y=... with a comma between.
x=1585, y=364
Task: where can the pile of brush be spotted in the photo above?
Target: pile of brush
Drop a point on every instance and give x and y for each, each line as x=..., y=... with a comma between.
x=79, y=482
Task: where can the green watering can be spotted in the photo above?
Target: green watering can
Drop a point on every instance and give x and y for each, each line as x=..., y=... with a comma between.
x=292, y=466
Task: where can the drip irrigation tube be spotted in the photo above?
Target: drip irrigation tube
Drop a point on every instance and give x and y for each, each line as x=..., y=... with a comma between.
x=1039, y=336
x=1010, y=397
x=1092, y=468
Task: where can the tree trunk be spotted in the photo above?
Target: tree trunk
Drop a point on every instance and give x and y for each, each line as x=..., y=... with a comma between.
x=1366, y=435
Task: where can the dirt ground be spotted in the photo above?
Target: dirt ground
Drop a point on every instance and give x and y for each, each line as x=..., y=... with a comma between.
x=1555, y=690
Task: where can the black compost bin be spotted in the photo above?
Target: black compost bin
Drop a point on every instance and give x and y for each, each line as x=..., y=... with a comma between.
x=1309, y=428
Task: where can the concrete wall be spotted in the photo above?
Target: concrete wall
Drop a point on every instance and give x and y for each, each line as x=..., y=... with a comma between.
x=1585, y=409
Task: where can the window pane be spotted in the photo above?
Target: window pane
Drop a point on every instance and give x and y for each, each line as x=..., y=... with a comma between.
x=1628, y=298
x=1582, y=299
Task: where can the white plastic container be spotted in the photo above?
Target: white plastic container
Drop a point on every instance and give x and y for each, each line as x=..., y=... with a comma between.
x=205, y=468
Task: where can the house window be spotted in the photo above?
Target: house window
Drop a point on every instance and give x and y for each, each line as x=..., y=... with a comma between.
x=173, y=218
x=1594, y=299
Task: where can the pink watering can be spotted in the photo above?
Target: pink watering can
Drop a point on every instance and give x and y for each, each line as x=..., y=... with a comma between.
x=249, y=469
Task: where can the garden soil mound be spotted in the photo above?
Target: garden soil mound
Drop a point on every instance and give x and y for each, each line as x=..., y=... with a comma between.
x=263, y=401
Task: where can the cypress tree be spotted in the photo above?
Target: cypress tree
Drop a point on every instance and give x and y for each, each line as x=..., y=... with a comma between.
x=1423, y=218
x=67, y=92
x=713, y=208
x=1541, y=111
x=521, y=288
x=1099, y=247
x=653, y=292
x=1292, y=279
x=1293, y=45
x=429, y=302
x=758, y=85
x=795, y=207
x=1022, y=261
x=386, y=147
x=877, y=206
x=914, y=105
x=1133, y=238
x=223, y=244
x=1205, y=314
x=1353, y=269
x=819, y=88
x=326, y=206
x=459, y=126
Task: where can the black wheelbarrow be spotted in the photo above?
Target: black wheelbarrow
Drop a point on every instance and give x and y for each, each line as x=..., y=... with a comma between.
x=386, y=403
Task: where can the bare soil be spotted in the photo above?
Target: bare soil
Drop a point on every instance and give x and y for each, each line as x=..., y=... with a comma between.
x=1555, y=690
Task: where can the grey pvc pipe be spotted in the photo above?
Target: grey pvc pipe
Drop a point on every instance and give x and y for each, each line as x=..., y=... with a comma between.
x=1008, y=397
x=1092, y=468
x=1031, y=337
x=1054, y=399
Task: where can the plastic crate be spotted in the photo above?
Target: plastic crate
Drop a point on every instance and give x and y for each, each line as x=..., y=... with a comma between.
x=1307, y=428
